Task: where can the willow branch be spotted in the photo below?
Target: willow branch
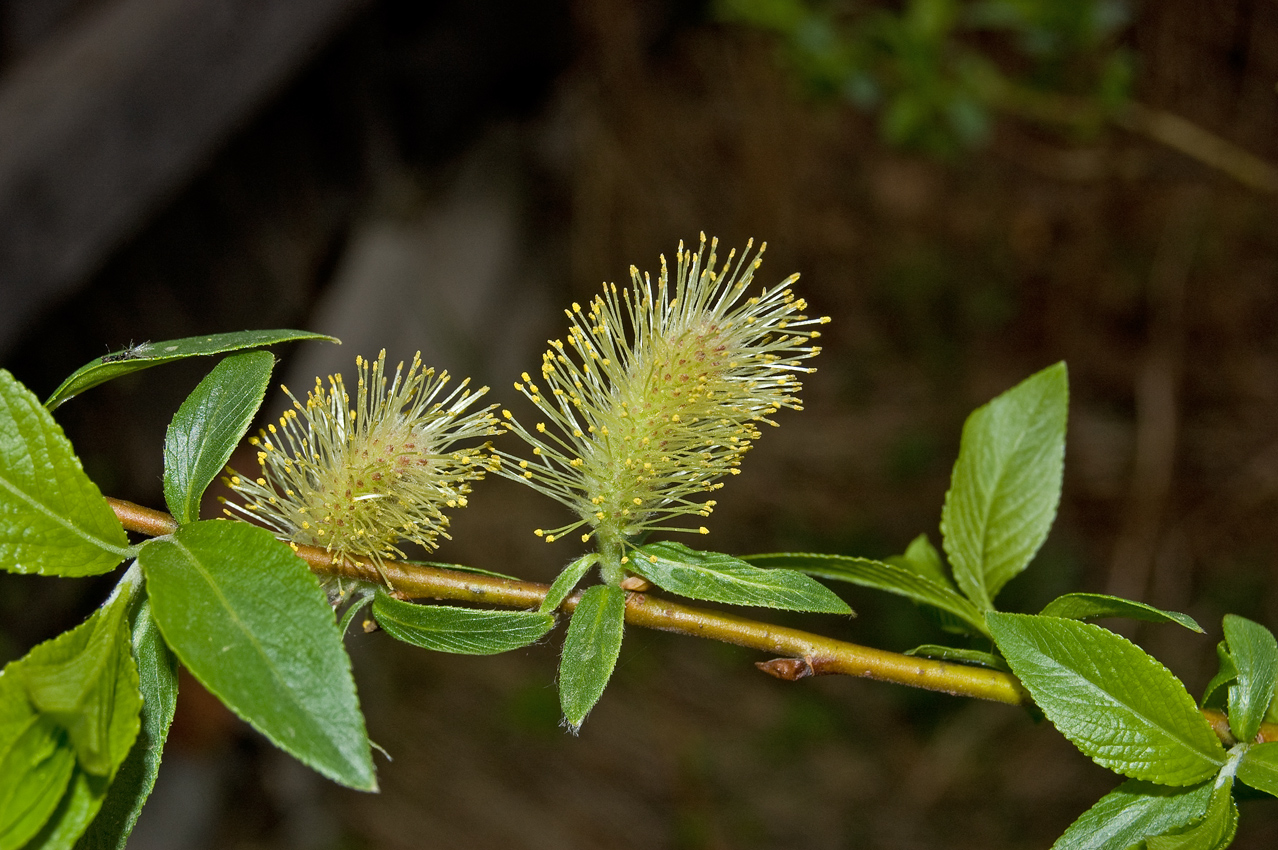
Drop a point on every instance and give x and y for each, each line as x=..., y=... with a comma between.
x=1159, y=125
x=805, y=654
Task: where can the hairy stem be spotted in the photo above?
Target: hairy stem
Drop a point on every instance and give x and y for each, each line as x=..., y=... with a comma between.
x=806, y=654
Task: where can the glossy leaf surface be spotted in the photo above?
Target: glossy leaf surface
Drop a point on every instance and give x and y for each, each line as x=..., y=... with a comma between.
x=34, y=772
x=36, y=763
x=466, y=631
x=75, y=811
x=1259, y=767
x=715, y=577
x=880, y=576
x=921, y=558
x=87, y=682
x=1132, y=812
x=972, y=657
x=138, y=357
x=1006, y=484
x=251, y=622
x=1089, y=606
x=1255, y=655
x=1118, y=705
x=158, y=683
x=1226, y=673
x=53, y=519
x=1214, y=831
x=208, y=426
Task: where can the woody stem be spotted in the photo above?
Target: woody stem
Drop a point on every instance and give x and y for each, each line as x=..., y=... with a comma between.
x=805, y=654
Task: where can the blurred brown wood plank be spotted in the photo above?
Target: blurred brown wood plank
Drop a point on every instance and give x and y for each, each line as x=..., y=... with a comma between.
x=109, y=119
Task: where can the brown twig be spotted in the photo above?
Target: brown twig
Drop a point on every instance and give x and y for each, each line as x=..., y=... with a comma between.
x=823, y=655
x=806, y=654
x=1159, y=125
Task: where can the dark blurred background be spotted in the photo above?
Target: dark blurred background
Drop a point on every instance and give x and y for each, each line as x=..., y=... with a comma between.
x=972, y=191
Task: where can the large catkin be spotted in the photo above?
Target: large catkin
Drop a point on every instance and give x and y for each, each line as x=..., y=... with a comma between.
x=657, y=392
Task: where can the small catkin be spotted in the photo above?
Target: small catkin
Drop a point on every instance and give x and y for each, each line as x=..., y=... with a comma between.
x=357, y=479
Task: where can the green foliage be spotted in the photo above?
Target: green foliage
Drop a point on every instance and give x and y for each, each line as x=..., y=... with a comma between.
x=467, y=631
x=880, y=576
x=715, y=577
x=973, y=657
x=922, y=559
x=208, y=426
x=75, y=811
x=84, y=717
x=1111, y=700
x=53, y=519
x=1215, y=829
x=35, y=767
x=1255, y=658
x=1089, y=606
x=86, y=681
x=590, y=650
x=566, y=581
x=1227, y=673
x=1133, y=811
x=933, y=70
x=68, y=717
x=1259, y=767
x=158, y=683
x=138, y=357
x=251, y=622
x=1006, y=484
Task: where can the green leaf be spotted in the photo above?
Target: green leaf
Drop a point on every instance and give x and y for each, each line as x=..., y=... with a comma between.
x=462, y=568
x=1255, y=654
x=158, y=682
x=36, y=763
x=1227, y=673
x=1115, y=703
x=1259, y=767
x=566, y=581
x=352, y=610
x=715, y=577
x=880, y=576
x=922, y=559
x=251, y=622
x=1132, y=812
x=590, y=650
x=86, y=681
x=1006, y=484
x=1087, y=606
x=467, y=631
x=208, y=426
x=148, y=354
x=959, y=656
x=74, y=813
x=1215, y=830
x=35, y=771
x=53, y=519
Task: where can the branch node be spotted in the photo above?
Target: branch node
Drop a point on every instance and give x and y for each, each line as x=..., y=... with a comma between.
x=788, y=669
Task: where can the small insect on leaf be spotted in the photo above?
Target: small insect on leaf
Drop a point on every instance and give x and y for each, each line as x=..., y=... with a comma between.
x=133, y=352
